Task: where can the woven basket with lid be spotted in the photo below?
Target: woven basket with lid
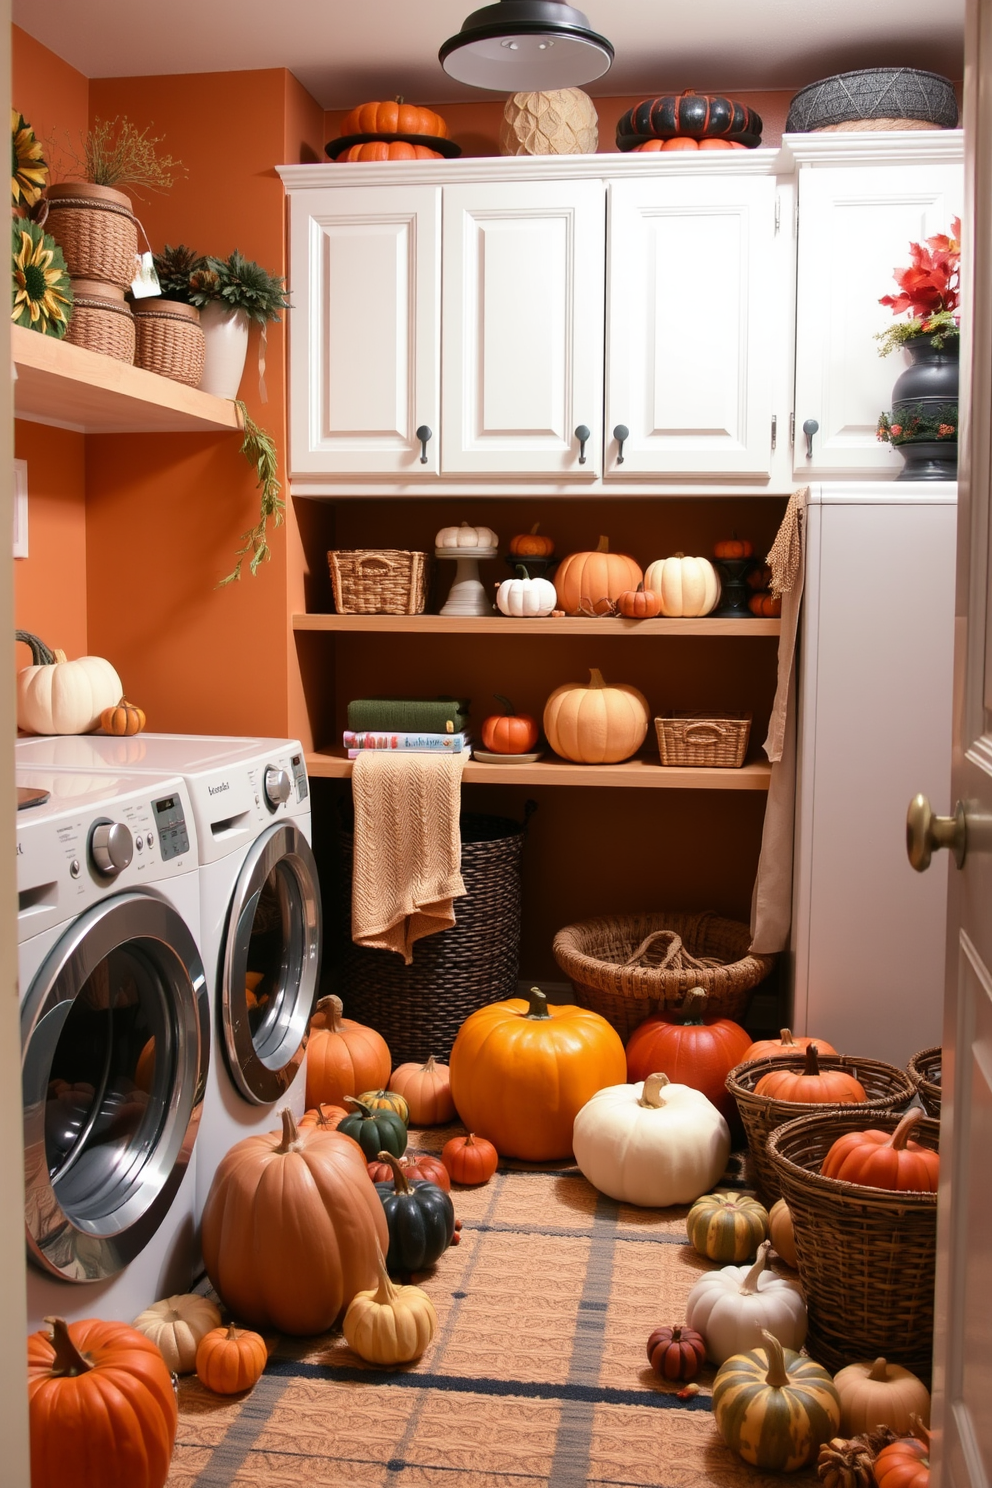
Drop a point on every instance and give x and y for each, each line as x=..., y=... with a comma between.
x=95, y=228
x=169, y=340
x=101, y=320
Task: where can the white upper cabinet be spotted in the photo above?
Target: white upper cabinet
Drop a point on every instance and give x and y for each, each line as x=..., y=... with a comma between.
x=522, y=343
x=364, y=358
x=695, y=319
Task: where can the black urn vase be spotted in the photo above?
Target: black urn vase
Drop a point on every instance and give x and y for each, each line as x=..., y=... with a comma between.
x=925, y=397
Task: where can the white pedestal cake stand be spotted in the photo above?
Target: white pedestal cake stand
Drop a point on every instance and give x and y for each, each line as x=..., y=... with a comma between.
x=467, y=595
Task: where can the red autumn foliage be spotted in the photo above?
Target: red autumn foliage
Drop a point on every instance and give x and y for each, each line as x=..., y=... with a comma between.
x=931, y=284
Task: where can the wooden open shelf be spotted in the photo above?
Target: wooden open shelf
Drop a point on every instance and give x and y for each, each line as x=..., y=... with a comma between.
x=640, y=773
x=507, y=625
x=72, y=388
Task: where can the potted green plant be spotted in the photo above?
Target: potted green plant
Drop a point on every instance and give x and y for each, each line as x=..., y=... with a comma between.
x=231, y=293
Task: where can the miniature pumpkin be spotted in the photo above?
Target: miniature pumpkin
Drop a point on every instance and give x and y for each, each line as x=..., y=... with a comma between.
x=782, y=1232
x=426, y=1166
x=176, y=1325
x=343, y=1057
x=230, y=1360
x=57, y=696
x=811, y=1084
x=733, y=1306
x=905, y=1463
x=595, y=722
x=686, y=586
x=373, y=1130
x=766, y=606
x=588, y=583
x=509, y=732
x=421, y=1220
x=290, y=1228
x=699, y=115
x=526, y=596
x=387, y=150
x=733, y=547
x=123, y=719
x=699, y=1051
x=639, y=603
x=387, y=1100
x=727, y=1227
x=880, y=1394
x=651, y=1143
x=879, y=1159
x=103, y=1412
x=394, y=117
x=427, y=1089
x=676, y=1353
x=470, y=1159
x=465, y=536
x=786, y=1043
x=323, y=1118
x=389, y=1325
x=531, y=544
x=522, y=1071
x=775, y=1408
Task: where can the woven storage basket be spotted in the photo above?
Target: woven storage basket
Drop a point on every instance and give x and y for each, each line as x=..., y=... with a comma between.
x=95, y=228
x=894, y=95
x=699, y=740
x=101, y=320
x=921, y=1070
x=378, y=581
x=419, y=1008
x=866, y=1256
x=599, y=957
x=888, y=1089
x=169, y=340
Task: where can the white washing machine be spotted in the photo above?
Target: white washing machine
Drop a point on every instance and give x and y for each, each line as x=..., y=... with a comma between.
x=115, y=1036
x=260, y=917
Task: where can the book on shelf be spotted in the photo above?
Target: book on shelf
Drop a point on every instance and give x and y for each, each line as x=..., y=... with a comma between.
x=359, y=742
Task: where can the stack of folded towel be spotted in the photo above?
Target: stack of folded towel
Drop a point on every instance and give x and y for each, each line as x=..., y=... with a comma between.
x=407, y=725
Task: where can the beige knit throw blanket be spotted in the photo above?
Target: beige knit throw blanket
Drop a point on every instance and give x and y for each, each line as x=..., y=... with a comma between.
x=408, y=851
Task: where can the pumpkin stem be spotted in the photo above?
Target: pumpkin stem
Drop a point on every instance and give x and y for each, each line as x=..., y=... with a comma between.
x=385, y=1292
x=508, y=707
x=812, y=1060
x=596, y=677
x=694, y=1007
x=537, y=1004
x=41, y=655
x=331, y=1009
x=290, y=1132
x=778, y=1375
x=879, y=1371
x=233, y=1333
x=59, y=657
x=905, y=1129
x=399, y=1178
x=68, y=1360
x=522, y=573
x=785, y=1037
x=750, y=1283
x=365, y=1109
x=651, y=1093
x=470, y=1140
x=603, y=546
x=533, y=530
x=430, y=1066
x=918, y=1429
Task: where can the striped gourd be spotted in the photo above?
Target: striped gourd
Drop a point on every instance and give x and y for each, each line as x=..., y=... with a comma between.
x=727, y=1227
x=775, y=1407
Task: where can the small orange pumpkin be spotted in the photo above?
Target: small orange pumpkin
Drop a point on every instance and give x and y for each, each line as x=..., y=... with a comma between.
x=768, y=606
x=229, y=1360
x=905, y=1463
x=733, y=547
x=531, y=545
x=509, y=732
x=388, y=150
x=639, y=603
x=122, y=720
x=786, y=1043
x=811, y=1085
x=759, y=577
x=394, y=117
x=323, y=1118
x=470, y=1159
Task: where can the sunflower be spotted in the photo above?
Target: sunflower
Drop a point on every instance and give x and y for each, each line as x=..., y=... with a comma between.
x=42, y=290
x=28, y=170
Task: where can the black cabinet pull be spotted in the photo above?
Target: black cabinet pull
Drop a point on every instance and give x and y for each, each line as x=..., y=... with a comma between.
x=809, y=429
x=582, y=434
x=621, y=434
x=423, y=434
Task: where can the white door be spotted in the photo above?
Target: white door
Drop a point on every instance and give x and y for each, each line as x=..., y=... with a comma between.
x=523, y=329
x=855, y=227
x=695, y=312
x=364, y=330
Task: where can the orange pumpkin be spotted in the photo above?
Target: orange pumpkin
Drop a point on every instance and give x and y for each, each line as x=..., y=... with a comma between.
x=343, y=1057
x=588, y=583
x=388, y=150
x=733, y=547
x=758, y=577
x=509, y=732
x=122, y=720
x=395, y=117
x=103, y=1412
x=521, y=1072
x=811, y=1084
x=470, y=1159
x=323, y=1118
x=905, y=1463
x=427, y=1090
x=683, y=142
x=531, y=545
x=229, y=1360
x=414, y=1166
x=699, y=1051
x=879, y=1159
x=639, y=603
x=768, y=606
x=786, y=1043
x=290, y=1228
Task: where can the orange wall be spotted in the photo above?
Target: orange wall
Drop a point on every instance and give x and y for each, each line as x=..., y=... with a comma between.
x=52, y=96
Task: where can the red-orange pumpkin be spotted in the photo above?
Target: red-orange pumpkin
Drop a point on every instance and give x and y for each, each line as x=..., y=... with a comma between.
x=343, y=1057
x=683, y=142
x=676, y=1353
x=639, y=603
x=733, y=547
x=589, y=583
x=415, y=1165
x=470, y=1159
x=699, y=1051
x=509, y=732
x=768, y=606
x=786, y=1043
x=388, y=150
x=811, y=1085
x=905, y=1463
x=531, y=544
x=395, y=117
x=879, y=1159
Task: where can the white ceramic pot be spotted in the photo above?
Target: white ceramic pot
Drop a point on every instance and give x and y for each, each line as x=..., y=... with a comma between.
x=226, y=333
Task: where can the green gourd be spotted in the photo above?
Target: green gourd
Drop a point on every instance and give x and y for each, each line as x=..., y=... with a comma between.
x=374, y=1130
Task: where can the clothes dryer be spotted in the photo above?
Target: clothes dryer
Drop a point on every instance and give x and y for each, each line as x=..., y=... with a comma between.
x=115, y=1036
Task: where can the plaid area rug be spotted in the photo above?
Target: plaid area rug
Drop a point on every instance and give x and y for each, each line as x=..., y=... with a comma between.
x=536, y=1378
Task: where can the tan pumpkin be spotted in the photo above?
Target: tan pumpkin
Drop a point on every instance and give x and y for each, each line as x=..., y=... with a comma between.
x=230, y=1360
x=590, y=583
x=427, y=1090
x=685, y=586
x=880, y=1394
x=343, y=1057
x=596, y=723
x=123, y=719
x=176, y=1326
x=782, y=1234
x=388, y=1324
x=57, y=696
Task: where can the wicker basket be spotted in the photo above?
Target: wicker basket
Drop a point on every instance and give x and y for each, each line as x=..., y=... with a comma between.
x=379, y=581
x=169, y=341
x=101, y=320
x=623, y=967
x=894, y=95
x=888, y=1089
x=921, y=1070
x=701, y=740
x=419, y=1008
x=95, y=228
x=866, y=1256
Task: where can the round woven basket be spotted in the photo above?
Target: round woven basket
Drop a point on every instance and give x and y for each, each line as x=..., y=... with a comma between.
x=169, y=340
x=921, y=1070
x=101, y=320
x=601, y=958
x=888, y=1089
x=95, y=228
x=866, y=1255
x=893, y=94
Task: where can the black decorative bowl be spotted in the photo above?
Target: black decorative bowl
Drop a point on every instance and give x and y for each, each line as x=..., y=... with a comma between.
x=445, y=147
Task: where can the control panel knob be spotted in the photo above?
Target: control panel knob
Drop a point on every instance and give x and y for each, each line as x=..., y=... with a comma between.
x=277, y=786
x=111, y=848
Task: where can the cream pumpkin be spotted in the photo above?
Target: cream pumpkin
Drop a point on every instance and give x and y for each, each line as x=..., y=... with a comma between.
x=732, y=1306
x=176, y=1326
x=685, y=586
x=58, y=696
x=526, y=596
x=595, y=722
x=880, y=1394
x=465, y=536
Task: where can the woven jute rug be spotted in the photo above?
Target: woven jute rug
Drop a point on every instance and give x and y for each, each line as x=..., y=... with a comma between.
x=536, y=1378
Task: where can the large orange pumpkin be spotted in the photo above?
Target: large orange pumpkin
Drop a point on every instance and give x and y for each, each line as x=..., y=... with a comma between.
x=811, y=1084
x=290, y=1228
x=343, y=1057
x=395, y=117
x=522, y=1071
x=102, y=1408
x=700, y=1051
x=786, y=1043
x=595, y=722
x=880, y=1159
x=388, y=150
x=590, y=582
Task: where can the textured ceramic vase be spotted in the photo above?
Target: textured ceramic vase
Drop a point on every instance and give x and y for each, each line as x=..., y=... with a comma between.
x=563, y=122
x=928, y=389
x=226, y=333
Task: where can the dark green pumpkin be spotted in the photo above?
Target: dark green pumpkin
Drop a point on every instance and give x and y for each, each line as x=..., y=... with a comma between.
x=691, y=115
x=374, y=1130
x=421, y=1220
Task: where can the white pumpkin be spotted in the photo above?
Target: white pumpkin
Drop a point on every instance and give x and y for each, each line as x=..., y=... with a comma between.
x=731, y=1306
x=465, y=536
x=685, y=586
x=880, y=1394
x=653, y=1143
x=176, y=1326
x=57, y=696
x=526, y=596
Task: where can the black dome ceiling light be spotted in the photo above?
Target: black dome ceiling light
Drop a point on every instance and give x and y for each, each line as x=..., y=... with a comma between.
x=520, y=46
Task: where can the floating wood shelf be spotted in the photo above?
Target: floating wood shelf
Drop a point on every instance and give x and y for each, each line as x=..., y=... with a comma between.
x=505, y=625
x=72, y=388
x=640, y=773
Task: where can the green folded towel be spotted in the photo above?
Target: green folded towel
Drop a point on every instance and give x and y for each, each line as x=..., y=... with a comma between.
x=440, y=715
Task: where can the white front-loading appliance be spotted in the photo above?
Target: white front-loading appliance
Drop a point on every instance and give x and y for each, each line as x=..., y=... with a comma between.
x=260, y=913
x=115, y=1037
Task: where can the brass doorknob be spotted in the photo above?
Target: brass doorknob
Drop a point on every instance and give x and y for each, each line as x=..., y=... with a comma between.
x=927, y=833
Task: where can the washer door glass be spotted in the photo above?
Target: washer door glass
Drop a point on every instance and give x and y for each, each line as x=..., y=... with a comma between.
x=271, y=964
x=115, y=1034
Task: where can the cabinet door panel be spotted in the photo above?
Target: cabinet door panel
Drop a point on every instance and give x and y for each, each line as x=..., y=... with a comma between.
x=364, y=333
x=855, y=227
x=694, y=305
x=523, y=328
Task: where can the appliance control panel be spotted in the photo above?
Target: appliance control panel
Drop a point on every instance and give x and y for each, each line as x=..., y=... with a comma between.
x=170, y=822
x=299, y=770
